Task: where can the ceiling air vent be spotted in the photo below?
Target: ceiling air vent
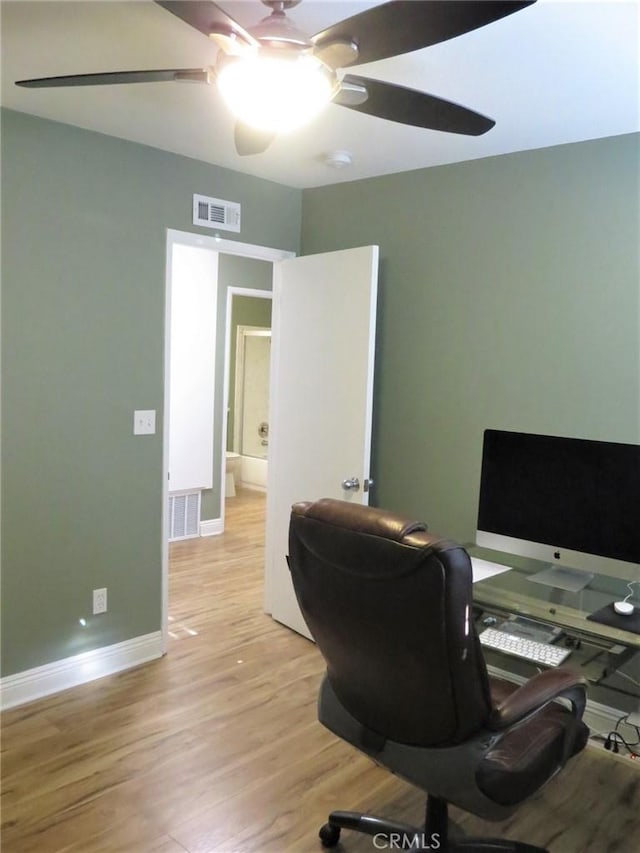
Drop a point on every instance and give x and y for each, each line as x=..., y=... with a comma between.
x=216, y=213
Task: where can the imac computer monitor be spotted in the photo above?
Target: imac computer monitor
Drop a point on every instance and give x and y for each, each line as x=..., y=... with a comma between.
x=570, y=502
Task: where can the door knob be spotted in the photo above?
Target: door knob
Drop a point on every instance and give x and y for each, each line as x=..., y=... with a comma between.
x=351, y=485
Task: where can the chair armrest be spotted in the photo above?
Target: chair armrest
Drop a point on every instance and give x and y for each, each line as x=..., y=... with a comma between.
x=538, y=692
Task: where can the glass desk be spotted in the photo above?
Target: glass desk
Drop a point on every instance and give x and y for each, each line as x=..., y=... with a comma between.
x=608, y=656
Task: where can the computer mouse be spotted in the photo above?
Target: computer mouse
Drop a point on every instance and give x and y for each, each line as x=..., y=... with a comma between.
x=624, y=608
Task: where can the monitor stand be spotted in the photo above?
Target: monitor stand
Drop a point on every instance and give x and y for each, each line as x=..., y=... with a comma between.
x=559, y=577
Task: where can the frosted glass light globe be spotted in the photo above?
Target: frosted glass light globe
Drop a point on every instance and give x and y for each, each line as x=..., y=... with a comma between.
x=274, y=93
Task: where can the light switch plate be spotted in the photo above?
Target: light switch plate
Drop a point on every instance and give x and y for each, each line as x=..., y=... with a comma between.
x=144, y=422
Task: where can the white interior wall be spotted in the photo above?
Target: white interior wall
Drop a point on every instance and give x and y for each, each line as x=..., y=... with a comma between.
x=194, y=291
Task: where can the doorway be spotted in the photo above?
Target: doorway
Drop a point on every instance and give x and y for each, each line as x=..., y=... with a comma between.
x=209, y=247
x=247, y=372
x=325, y=316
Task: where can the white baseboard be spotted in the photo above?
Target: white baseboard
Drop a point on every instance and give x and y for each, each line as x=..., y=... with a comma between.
x=601, y=719
x=212, y=527
x=254, y=487
x=69, y=672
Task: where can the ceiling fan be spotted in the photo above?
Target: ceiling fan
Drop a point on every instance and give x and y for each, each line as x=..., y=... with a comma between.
x=275, y=77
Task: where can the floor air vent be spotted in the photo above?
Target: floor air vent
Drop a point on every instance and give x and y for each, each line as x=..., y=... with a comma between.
x=216, y=213
x=184, y=516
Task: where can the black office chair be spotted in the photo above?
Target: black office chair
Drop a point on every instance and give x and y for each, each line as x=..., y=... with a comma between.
x=390, y=608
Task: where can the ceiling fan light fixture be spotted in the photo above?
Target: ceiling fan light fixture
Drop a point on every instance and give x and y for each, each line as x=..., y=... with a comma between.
x=274, y=92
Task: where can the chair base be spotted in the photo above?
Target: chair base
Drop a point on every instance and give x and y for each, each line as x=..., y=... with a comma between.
x=401, y=836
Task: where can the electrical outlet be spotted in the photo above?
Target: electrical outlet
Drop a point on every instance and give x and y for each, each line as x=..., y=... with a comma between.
x=144, y=422
x=100, y=600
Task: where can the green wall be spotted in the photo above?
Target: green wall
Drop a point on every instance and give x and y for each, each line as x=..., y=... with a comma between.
x=83, y=275
x=233, y=271
x=509, y=298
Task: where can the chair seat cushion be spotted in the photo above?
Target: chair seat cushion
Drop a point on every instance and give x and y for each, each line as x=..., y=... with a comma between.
x=528, y=754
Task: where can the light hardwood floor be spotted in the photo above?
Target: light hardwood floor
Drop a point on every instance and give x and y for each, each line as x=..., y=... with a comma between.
x=216, y=748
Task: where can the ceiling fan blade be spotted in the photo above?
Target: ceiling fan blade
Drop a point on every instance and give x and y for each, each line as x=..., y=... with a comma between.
x=405, y=25
x=407, y=106
x=248, y=140
x=211, y=20
x=110, y=78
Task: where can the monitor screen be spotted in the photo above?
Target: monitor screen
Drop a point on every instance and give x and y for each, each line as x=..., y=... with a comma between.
x=568, y=501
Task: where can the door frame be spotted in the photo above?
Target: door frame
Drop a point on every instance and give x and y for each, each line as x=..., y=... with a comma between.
x=242, y=332
x=225, y=247
x=231, y=293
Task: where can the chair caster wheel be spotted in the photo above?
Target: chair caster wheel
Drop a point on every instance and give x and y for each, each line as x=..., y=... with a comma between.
x=329, y=835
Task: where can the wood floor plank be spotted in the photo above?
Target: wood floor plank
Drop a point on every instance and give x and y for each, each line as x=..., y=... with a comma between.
x=216, y=748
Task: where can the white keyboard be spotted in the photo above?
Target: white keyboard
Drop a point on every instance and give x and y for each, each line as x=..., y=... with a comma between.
x=543, y=653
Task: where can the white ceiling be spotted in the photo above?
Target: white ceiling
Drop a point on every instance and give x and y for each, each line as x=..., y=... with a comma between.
x=556, y=72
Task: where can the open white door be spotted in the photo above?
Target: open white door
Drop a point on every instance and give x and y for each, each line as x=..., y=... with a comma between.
x=324, y=318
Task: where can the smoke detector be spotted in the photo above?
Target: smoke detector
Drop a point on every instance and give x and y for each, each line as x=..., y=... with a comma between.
x=338, y=159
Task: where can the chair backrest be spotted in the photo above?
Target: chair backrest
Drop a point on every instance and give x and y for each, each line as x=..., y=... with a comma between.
x=390, y=608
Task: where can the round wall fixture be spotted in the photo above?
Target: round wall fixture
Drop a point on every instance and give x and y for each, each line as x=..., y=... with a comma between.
x=338, y=159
